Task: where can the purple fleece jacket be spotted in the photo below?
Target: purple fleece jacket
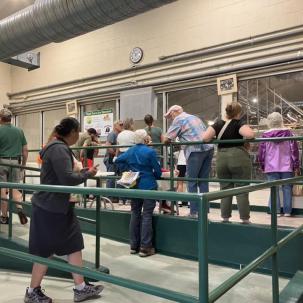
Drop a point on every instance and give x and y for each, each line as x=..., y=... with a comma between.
x=278, y=156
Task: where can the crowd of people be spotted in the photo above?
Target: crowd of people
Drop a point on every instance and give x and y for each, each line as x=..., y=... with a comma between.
x=54, y=227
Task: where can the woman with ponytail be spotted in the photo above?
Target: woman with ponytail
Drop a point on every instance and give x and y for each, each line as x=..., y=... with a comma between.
x=154, y=132
x=233, y=161
x=54, y=226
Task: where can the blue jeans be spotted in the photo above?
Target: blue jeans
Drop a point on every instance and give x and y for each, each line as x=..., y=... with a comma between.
x=286, y=189
x=140, y=227
x=110, y=167
x=198, y=166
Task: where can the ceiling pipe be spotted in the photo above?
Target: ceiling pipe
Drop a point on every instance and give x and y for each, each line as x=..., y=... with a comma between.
x=49, y=21
x=282, y=34
x=246, y=42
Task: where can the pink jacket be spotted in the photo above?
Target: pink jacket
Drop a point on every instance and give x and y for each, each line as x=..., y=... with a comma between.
x=278, y=156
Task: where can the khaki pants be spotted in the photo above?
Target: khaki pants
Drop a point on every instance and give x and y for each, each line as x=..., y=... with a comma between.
x=234, y=163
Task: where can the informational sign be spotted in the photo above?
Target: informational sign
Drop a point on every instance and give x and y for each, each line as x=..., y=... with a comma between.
x=101, y=120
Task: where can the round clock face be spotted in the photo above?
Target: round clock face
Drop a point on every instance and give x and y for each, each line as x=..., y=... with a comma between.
x=136, y=55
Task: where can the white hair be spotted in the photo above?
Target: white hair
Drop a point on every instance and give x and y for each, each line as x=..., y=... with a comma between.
x=275, y=120
x=140, y=135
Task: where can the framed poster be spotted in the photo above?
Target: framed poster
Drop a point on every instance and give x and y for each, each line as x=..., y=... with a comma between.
x=227, y=84
x=101, y=120
x=71, y=108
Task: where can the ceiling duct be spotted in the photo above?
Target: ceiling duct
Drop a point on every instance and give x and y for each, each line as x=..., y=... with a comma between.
x=49, y=21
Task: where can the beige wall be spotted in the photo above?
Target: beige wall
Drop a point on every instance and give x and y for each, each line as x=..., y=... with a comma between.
x=5, y=82
x=181, y=26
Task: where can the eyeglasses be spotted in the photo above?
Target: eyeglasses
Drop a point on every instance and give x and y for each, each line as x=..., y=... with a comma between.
x=121, y=124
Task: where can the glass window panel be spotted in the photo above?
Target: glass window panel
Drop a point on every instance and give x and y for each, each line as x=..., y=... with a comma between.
x=282, y=93
x=157, y=122
x=51, y=118
x=202, y=102
x=30, y=125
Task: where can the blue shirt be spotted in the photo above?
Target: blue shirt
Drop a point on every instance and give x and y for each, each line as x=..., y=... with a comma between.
x=143, y=159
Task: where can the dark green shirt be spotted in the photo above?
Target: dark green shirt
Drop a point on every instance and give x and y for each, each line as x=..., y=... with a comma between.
x=155, y=133
x=12, y=140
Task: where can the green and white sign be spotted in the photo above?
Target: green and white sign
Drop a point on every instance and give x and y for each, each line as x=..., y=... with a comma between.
x=101, y=120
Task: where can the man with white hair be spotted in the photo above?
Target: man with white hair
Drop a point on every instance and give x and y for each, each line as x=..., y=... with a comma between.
x=189, y=128
x=143, y=159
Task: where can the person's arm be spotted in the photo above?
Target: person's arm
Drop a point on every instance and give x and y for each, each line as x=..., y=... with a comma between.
x=155, y=165
x=295, y=155
x=261, y=155
x=246, y=132
x=209, y=134
x=173, y=132
x=110, y=141
x=24, y=155
x=61, y=162
x=122, y=158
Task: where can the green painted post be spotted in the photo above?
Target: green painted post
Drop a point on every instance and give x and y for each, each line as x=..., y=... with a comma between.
x=275, y=272
x=203, y=249
x=98, y=224
x=171, y=181
x=10, y=205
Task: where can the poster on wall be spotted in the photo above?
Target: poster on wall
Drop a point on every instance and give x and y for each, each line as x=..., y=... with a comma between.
x=101, y=120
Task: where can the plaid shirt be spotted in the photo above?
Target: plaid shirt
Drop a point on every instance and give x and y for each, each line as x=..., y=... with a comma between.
x=188, y=128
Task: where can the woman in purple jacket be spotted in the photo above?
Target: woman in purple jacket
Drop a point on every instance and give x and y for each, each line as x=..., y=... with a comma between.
x=279, y=160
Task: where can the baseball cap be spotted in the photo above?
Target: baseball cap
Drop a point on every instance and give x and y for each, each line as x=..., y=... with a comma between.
x=4, y=112
x=174, y=108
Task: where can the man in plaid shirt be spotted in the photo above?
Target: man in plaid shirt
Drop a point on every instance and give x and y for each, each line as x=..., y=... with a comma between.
x=189, y=128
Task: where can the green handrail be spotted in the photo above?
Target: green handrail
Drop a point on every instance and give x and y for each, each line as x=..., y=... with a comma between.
x=237, y=277
x=202, y=239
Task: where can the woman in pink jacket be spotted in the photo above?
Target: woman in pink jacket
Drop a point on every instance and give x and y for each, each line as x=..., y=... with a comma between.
x=279, y=160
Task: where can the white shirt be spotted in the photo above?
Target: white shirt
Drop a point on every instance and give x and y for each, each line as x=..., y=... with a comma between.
x=126, y=137
x=181, y=158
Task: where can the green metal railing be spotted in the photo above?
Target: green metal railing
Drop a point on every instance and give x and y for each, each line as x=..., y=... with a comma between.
x=203, y=199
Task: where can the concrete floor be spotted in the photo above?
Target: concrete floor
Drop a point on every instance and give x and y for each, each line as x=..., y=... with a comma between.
x=159, y=270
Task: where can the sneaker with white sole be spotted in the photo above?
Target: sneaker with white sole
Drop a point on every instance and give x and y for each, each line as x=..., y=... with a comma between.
x=36, y=296
x=89, y=291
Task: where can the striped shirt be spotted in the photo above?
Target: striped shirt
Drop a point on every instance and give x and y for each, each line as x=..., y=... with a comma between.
x=188, y=128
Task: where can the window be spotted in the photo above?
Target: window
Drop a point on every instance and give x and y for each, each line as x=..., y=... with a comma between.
x=202, y=102
x=28, y=123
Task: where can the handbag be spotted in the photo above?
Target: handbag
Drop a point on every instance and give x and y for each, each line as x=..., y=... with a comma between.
x=129, y=179
x=297, y=190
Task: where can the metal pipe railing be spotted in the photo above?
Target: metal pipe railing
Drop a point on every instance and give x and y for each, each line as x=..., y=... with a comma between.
x=203, y=200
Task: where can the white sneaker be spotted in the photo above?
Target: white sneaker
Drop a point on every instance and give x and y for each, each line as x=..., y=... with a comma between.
x=287, y=215
x=245, y=221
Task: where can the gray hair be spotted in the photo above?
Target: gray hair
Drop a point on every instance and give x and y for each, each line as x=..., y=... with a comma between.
x=275, y=120
x=128, y=123
x=140, y=135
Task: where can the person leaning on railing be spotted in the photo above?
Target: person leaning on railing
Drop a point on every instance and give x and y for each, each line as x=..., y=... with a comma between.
x=233, y=161
x=54, y=227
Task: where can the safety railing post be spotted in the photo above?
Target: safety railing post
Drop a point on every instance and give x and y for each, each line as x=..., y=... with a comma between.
x=203, y=249
x=275, y=272
x=10, y=205
x=98, y=223
x=171, y=181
